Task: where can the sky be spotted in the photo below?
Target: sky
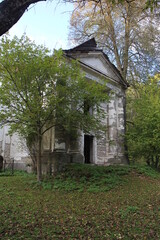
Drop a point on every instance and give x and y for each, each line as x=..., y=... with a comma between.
x=46, y=23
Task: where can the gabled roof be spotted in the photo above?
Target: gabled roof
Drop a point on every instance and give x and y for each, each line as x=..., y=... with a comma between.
x=90, y=46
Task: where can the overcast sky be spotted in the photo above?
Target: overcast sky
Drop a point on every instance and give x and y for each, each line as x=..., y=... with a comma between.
x=46, y=23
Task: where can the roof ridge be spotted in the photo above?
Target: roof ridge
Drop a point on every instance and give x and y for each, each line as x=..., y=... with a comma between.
x=88, y=45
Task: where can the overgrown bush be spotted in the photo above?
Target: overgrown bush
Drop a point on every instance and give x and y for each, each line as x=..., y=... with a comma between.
x=143, y=129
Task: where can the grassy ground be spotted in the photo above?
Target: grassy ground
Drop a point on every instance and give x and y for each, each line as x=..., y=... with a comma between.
x=84, y=202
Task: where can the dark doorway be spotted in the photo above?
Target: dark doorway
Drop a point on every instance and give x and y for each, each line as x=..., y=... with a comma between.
x=88, y=148
x=1, y=163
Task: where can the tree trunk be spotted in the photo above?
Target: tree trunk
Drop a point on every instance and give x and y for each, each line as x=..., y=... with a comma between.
x=157, y=162
x=148, y=161
x=11, y=11
x=39, y=164
x=125, y=143
x=126, y=39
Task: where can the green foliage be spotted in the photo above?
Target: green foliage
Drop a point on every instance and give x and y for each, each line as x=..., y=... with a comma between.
x=8, y=172
x=143, y=134
x=146, y=170
x=89, y=178
x=27, y=86
x=82, y=177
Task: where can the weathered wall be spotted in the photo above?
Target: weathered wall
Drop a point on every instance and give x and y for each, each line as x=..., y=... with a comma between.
x=14, y=148
x=106, y=150
x=110, y=147
x=64, y=150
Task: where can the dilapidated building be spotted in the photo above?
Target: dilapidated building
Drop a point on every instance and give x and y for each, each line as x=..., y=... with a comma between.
x=109, y=148
x=106, y=150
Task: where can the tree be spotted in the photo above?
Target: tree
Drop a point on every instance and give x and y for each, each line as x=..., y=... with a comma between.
x=143, y=130
x=128, y=33
x=11, y=11
x=39, y=91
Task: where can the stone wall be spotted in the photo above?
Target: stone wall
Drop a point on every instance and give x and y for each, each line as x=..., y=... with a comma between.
x=110, y=147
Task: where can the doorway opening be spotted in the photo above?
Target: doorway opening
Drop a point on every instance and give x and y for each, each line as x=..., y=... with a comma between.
x=88, y=148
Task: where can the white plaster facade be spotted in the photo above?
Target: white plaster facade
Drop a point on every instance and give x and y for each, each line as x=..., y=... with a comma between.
x=14, y=148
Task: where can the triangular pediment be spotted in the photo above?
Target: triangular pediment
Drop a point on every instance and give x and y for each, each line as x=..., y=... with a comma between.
x=100, y=64
x=90, y=56
x=96, y=63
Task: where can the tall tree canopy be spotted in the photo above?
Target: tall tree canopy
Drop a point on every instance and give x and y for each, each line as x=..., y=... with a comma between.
x=11, y=11
x=127, y=30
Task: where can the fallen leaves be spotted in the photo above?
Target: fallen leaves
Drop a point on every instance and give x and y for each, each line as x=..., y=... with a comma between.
x=131, y=211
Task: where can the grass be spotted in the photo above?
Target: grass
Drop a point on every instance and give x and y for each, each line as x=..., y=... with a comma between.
x=89, y=178
x=85, y=202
